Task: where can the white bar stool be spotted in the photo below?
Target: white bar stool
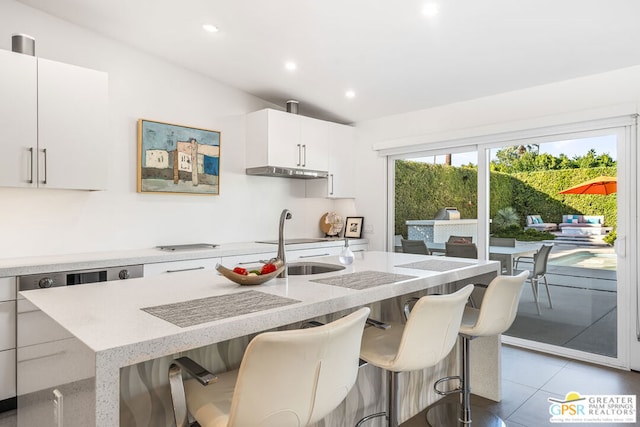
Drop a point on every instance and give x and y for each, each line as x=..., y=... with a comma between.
x=495, y=315
x=427, y=338
x=287, y=378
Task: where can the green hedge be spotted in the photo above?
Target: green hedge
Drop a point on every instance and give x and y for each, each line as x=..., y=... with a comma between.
x=422, y=189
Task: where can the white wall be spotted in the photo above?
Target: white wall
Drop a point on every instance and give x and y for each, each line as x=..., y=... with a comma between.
x=597, y=96
x=43, y=222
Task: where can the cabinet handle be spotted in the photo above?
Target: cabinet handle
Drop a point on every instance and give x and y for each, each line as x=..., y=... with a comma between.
x=30, y=180
x=258, y=261
x=44, y=151
x=311, y=256
x=331, y=192
x=304, y=157
x=185, y=269
x=358, y=250
x=299, y=155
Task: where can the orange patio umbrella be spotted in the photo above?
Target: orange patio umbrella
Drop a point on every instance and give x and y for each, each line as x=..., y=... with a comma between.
x=600, y=185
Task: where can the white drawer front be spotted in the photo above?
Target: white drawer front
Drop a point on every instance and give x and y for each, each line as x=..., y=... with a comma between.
x=7, y=374
x=51, y=364
x=178, y=266
x=35, y=327
x=310, y=253
x=7, y=325
x=7, y=288
x=246, y=261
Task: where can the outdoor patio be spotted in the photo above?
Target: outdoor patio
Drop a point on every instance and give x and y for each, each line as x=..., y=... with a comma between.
x=582, y=283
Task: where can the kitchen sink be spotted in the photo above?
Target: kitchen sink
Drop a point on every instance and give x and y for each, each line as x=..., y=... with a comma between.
x=305, y=268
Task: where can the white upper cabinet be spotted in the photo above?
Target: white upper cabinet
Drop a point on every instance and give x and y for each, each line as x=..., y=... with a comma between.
x=18, y=119
x=277, y=138
x=54, y=124
x=341, y=182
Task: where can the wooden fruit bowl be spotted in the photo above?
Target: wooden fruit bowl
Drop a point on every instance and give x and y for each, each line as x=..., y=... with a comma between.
x=250, y=280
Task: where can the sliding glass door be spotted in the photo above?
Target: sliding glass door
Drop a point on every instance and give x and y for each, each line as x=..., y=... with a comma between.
x=502, y=188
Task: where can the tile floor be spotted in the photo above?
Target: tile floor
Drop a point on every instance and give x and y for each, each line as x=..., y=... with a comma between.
x=530, y=378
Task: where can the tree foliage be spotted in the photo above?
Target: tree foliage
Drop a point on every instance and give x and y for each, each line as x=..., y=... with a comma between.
x=514, y=159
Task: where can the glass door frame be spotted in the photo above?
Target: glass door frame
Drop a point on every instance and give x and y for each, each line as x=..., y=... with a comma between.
x=628, y=160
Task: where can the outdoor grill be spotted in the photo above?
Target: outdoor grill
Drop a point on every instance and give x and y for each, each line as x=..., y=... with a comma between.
x=447, y=214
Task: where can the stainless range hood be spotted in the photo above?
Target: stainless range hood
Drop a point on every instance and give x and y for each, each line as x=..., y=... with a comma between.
x=283, y=172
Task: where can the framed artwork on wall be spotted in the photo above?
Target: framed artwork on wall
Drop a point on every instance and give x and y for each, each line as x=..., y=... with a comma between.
x=353, y=227
x=177, y=159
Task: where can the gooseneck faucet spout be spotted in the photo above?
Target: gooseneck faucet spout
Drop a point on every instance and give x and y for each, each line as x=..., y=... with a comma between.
x=283, y=216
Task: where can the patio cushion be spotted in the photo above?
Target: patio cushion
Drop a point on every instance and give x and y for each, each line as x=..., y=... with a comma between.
x=593, y=221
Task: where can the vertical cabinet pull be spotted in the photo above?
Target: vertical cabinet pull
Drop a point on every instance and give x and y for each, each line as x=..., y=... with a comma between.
x=30, y=180
x=299, y=155
x=304, y=156
x=44, y=151
x=331, y=177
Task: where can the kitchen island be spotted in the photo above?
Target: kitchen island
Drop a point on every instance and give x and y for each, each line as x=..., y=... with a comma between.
x=109, y=320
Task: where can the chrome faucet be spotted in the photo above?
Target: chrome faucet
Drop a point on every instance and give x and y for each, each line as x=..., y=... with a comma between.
x=281, y=256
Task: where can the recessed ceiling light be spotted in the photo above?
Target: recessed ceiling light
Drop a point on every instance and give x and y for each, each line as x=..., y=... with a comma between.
x=350, y=94
x=210, y=28
x=290, y=65
x=430, y=9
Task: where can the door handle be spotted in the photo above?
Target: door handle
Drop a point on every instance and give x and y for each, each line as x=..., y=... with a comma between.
x=331, y=192
x=304, y=157
x=299, y=155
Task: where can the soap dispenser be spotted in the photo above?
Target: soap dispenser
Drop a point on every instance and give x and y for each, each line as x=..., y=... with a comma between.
x=346, y=255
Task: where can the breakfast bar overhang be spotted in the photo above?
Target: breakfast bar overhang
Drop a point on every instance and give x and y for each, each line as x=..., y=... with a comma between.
x=108, y=317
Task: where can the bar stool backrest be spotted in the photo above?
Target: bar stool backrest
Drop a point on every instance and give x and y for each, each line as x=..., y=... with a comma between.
x=297, y=377
x=431, y=330
x=499, y=306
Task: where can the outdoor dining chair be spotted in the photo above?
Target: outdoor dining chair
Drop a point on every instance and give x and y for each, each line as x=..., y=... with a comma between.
x=414, y=247
x=539, y=271
x=461, y=250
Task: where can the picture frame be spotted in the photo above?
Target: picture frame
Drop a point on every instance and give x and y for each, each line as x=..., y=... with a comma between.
x=353, y=227
x=177, y=159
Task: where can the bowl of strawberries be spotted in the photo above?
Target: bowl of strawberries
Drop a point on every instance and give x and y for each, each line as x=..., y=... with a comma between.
x=249, y=276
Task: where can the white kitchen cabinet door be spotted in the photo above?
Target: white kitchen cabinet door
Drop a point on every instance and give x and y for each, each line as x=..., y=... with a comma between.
x=18, y=119
x=72, y=131
x=180, y=266
x=7, y=374
x=341, y=181
x=314, y=135
x=7, y=325
x=7, y=288
x=273, y=139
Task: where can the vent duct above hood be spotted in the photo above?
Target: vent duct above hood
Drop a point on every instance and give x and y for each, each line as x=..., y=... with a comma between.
x=283, y=172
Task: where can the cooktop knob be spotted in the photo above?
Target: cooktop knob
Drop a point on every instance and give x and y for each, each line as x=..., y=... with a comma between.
x=45, y=282
x=124, y=274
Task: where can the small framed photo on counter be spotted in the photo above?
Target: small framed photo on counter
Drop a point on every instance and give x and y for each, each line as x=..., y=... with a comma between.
x=353, y=227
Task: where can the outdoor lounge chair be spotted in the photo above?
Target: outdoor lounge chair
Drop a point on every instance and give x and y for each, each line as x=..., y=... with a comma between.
x=535, y=222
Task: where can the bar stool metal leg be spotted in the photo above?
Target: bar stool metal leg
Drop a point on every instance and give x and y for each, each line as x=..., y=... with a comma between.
x=461, y=414
x=393, y=403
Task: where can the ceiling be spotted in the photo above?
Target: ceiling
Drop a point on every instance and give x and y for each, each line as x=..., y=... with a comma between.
x=389, y=53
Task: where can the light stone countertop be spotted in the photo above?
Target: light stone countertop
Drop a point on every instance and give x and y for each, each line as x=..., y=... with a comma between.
x=107, y=316
x=84, y=261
